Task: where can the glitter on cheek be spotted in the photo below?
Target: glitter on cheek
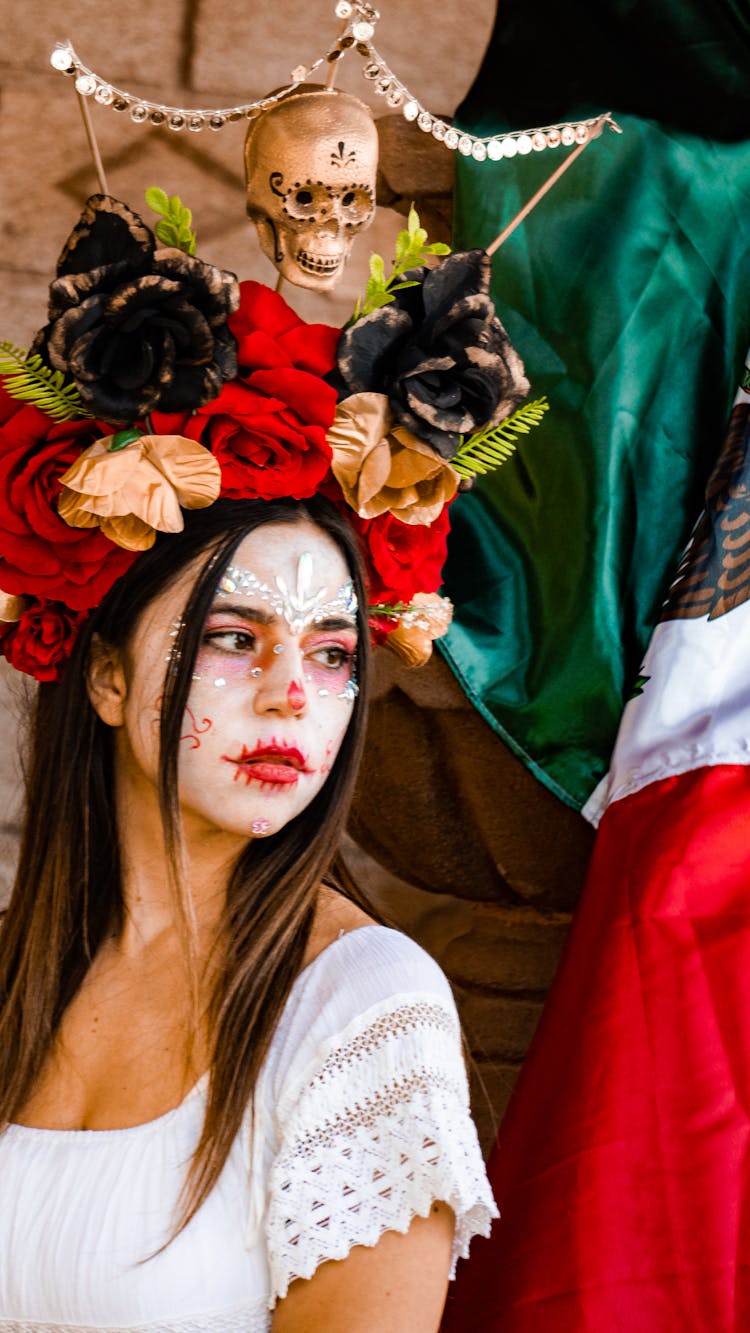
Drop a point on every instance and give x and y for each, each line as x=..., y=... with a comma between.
x=349, y=692
x=223, y=669
x=256, y=672
x=278, y=648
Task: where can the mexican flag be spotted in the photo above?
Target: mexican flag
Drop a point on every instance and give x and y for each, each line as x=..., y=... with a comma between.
x=622, y=1169
x=627, y=293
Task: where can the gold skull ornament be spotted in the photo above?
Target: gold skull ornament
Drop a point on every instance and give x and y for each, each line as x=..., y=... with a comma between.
x=311, y=162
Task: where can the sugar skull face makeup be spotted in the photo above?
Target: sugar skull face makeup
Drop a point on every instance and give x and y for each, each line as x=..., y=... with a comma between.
x=274, y=678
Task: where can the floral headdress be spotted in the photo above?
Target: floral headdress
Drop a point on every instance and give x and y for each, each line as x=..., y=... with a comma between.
x=160, y=383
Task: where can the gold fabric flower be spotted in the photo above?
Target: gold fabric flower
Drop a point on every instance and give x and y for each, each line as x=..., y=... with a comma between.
x=135, y=491
x=11, y=608
x=427, y=618
x=381, y=467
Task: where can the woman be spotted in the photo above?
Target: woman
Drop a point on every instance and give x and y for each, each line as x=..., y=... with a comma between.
x=219, y=1074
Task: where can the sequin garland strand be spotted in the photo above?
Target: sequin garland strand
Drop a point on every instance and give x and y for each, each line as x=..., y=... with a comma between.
x=359, y=20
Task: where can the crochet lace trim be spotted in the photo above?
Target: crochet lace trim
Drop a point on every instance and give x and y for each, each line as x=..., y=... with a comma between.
x=379, y=1133
x=253, y=1318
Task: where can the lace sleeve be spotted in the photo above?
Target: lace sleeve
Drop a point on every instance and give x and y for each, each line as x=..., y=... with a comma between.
x=374, y=1133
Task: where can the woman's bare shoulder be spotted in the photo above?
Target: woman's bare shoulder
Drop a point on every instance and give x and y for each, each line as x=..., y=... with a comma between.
x=335, y=915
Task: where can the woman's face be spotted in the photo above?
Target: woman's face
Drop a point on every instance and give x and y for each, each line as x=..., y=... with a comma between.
x=273, y=686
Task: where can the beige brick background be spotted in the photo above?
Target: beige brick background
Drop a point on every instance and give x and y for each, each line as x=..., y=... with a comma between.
x=470, y=877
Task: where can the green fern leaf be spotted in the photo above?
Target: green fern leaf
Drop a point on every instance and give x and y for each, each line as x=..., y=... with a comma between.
x=488, y=449
x=29, y=380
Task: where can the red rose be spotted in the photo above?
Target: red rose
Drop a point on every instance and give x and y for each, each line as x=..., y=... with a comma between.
x=41, y=642
x=8, y=406
x=40, y=555
x=268, y=432
x=403, y=558
x=270, y=334
x=268, y=426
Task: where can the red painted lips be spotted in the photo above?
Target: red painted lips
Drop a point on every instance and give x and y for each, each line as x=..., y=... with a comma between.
x=272, y=763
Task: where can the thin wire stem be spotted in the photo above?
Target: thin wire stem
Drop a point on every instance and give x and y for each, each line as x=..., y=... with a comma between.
x=93, y=145
x=502, y=236
x=333, y=68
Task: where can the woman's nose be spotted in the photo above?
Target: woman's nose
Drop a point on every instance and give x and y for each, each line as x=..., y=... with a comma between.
x=281, y=687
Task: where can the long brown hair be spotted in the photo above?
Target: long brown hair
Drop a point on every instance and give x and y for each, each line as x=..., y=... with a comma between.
x=68, y=890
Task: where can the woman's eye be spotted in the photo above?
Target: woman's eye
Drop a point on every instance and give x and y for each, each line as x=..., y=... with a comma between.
x=332, y=657
x=231, y=640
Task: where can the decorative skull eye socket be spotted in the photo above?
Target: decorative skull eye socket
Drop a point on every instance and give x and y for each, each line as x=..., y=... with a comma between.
x=309, y=201
x=357, y=205
x=312, y=201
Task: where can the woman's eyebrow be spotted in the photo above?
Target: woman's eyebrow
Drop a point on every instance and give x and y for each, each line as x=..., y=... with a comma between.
x=332, y=623
x=257, y=616
x=244, y=612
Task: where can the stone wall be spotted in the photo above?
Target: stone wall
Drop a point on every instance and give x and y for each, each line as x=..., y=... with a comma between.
x=472, y=881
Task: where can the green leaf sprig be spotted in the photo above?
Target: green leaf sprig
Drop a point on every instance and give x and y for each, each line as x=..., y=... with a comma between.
x=173, y=227
x=382, y=610
x=486, y=449
x=29, y=380
x=411, y=251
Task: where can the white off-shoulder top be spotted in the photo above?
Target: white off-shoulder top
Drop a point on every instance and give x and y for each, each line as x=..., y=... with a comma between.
x=362, y=1122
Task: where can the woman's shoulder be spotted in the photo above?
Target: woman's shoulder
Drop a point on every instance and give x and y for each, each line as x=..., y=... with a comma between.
x=367, y=979
x=369, y=963
x=366, y=962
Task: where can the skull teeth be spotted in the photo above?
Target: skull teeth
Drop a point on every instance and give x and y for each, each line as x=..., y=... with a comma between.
x=314, y=264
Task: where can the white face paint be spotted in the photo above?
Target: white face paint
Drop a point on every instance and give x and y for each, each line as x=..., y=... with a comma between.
x=262, y=727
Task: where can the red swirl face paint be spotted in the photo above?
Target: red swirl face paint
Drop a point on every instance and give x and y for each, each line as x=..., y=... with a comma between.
x=195, y=728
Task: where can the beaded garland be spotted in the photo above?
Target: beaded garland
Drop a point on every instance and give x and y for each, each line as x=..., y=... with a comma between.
x=358, y=22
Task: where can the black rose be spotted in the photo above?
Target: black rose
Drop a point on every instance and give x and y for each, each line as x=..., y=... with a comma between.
x=135, y=326
x=439, y=352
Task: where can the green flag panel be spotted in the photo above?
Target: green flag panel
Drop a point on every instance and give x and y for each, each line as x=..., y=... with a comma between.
x=627, y=293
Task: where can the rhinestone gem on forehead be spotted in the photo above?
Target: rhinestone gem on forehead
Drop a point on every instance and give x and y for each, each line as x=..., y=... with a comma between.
x=299, y=607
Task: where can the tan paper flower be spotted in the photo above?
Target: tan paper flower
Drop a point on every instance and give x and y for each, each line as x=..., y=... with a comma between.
x=428, y=618
x=135, y=491
x=382, y=467
x=11, y=608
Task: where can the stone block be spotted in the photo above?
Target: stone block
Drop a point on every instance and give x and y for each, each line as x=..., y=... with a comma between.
x=490, y=1086
x=412, y=162
x=139, y=40
x=471, y=825
x=498, y=1028
x=508, y=948
x=15, y=694
x=432, y=49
